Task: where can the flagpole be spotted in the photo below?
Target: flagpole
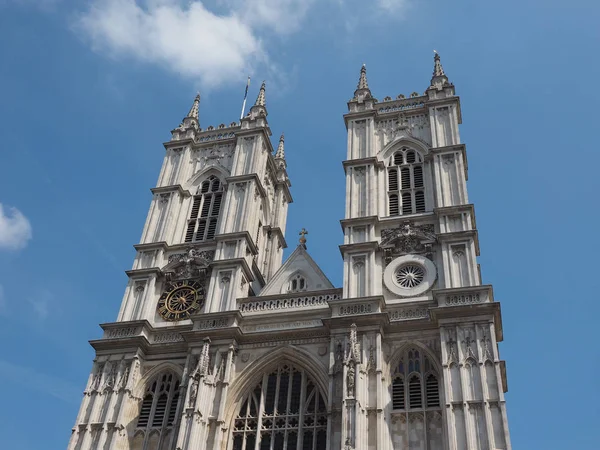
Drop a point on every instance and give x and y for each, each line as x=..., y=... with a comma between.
x=245, y=96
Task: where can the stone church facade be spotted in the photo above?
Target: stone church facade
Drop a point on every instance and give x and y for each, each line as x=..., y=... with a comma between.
x=221, y=345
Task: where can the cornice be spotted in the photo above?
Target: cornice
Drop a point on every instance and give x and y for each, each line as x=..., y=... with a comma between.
x=238, y=235
x=358, y=115
x=178, y=143
x=226, y=263
x=172, y=188
x=161, y=245
x=457, y=209
x=358, y=247
x=355, y=221
x=460, y=235
x=363, y=162
x=139, y=273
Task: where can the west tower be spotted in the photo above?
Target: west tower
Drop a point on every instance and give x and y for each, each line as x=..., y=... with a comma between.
x=219, y=345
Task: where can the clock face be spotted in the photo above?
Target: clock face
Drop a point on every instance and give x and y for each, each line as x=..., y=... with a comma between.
x=180, y=300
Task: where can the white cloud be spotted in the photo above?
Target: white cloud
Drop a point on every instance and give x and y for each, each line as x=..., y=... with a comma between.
x=215, y=44
x=280, y=16
x=29, y=377
x=393, y=6
x=15, y=229
x=189, y=40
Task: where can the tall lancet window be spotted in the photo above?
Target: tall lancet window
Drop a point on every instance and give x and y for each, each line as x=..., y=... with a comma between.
x=202, y=224
x=406, y=188
x=158, y=415
x=416, y=402
x=285, y=411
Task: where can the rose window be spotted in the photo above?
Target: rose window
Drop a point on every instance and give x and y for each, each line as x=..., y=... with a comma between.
x=410, y=275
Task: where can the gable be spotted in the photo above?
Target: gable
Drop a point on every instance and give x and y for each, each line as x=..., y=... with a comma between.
x=298, y=265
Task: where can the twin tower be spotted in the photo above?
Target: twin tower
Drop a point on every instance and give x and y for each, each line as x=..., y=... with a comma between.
x=221, y=345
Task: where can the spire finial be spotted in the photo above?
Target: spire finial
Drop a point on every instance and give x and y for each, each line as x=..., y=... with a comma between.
x=260, y=100
x=438, y=70
x=280, y=154
x=362, y=81
x=193, y=114
x=303, y=234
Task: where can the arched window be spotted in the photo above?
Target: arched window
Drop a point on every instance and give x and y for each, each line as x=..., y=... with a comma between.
x=288, y=409
x=415, y=384
x=297, y=284
x=406, y=188
x=202, y=224
x=158, y=416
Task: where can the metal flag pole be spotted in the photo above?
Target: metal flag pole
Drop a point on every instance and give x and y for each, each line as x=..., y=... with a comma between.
x=245, y=96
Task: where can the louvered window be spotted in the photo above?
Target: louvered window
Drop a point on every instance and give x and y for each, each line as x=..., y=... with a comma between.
x=159, y=407
x=421, y=391
x=204, y=216
x=288, y=409
x=406, y=183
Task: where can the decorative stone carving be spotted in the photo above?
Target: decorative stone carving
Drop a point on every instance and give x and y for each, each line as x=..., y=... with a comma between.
x=408, y=314
x=208, y=324
x=124, y=376
x=192, y=264
x=111, y=374
x=117, y=333
x=371, y=365
x=353, y=350
x=468, y=342
x=164, y=338
x=463, y=299
x=339, y=356
x=97, y=377
x=407, y=238
x=350, y=379
x=451, y=350
x=358, y=308
x=485, y=345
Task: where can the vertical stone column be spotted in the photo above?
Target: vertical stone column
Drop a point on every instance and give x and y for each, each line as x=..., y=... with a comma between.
x=221, y=426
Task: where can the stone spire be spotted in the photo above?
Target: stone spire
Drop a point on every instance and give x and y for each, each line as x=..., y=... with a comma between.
x=193, y=114
x=362, y=81
x=260, y=100
x=259, y=109
x=280, y=153
x=439, y=77
x=362, y=89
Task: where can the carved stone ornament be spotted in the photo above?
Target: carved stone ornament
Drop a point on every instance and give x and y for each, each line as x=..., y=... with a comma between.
x=407, y=238
x=191, y=264
x=217, y=155
x=350, y=380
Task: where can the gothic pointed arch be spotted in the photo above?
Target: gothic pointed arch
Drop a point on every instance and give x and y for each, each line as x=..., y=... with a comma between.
x=416, y=395
x=205, y=208
x=280, y=402
x=158, y=413
x=407, y=179
x=195, y=180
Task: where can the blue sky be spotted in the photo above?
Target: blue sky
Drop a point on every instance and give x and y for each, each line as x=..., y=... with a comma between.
x=90, y=90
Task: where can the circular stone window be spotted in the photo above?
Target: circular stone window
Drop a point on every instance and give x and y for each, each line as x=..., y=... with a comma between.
x=409, y=275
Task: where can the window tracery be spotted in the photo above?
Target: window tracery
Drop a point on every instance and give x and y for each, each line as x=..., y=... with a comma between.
x=285, y=411
x=415, y=384
x=406, y=188
x=206, y=206
x=158, y=415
